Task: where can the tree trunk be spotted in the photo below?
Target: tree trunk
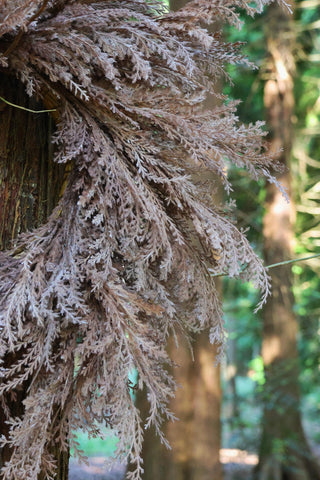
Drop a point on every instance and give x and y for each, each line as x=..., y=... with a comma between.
x=30, y=184
x=284, y=452
x=195, y=436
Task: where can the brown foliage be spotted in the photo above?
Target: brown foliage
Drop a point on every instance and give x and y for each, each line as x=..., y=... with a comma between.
x=124, y=259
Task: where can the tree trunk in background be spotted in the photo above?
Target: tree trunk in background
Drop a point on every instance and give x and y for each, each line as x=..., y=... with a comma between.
x=30, y=184
x=196, y=437
x=284, y=452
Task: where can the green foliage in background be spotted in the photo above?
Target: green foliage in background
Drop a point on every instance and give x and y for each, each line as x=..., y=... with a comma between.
x=94, y=446
x=244, y=327
x=306, y=175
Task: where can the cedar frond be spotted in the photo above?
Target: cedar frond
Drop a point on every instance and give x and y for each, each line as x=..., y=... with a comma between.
x=123, y=261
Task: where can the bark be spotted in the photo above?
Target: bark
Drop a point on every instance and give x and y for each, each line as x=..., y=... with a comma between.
x=284, y=451
x=30, y=184
x=195, y=436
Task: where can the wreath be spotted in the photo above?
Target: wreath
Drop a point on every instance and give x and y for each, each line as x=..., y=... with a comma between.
x=129, y=254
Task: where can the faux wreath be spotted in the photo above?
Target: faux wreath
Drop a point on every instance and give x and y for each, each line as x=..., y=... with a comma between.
x=124, y=259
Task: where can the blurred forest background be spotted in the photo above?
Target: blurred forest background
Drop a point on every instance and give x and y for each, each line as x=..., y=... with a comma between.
x=264, y=416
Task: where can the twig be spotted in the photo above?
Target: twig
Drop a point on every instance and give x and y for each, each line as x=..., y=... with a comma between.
x=286, y=262
x=27, y=109
x=273, y=265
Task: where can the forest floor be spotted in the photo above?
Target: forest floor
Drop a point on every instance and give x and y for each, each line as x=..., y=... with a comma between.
x=237, y=465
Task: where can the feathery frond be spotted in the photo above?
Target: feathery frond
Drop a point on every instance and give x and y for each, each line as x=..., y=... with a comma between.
x=123, y=260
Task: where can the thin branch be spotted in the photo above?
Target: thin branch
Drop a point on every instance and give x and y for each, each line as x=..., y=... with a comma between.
x=273, y=265
x=287, y=262
x=27, y=109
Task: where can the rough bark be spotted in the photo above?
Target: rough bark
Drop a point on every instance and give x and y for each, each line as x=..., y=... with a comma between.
x=30, y=184
x=284, y=451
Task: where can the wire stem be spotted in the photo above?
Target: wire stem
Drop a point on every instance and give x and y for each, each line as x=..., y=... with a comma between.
x=26, y=109
x=273, y=265
x=287, y=262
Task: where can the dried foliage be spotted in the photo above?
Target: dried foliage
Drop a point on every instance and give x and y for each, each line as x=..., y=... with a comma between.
x=123, y=261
